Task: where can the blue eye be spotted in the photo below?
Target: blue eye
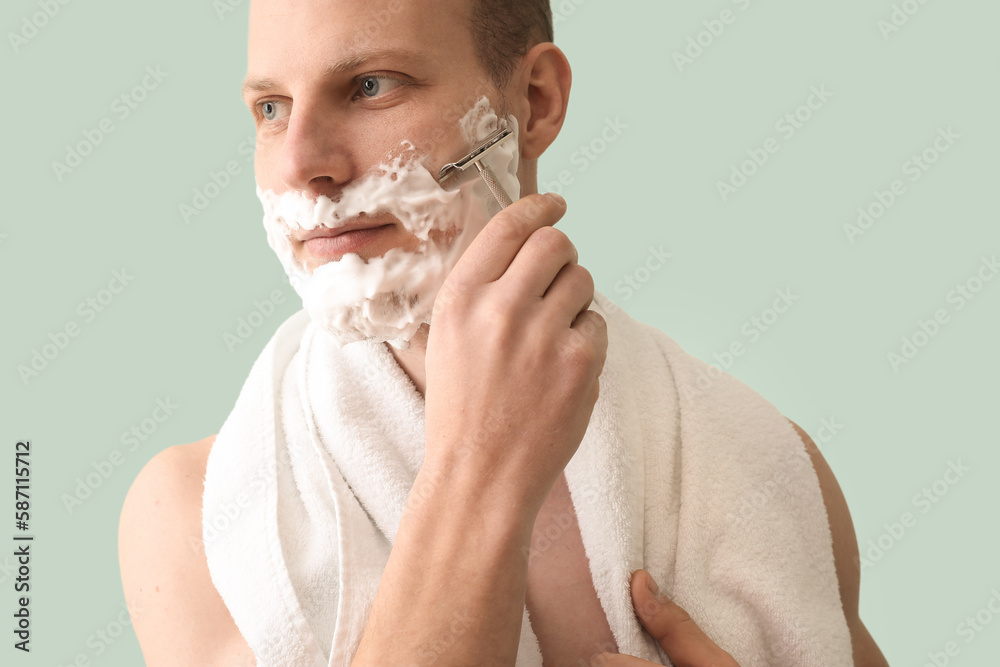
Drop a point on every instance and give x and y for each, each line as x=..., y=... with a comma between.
x=372, y=85
x=269, y=109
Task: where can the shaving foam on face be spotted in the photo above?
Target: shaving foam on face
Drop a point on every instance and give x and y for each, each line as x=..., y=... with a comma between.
x=388, y=298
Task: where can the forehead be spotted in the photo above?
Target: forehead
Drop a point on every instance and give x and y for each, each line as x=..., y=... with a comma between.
x=300, y=33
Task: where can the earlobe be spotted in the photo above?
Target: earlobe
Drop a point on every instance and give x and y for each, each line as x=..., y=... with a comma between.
x=546, y=93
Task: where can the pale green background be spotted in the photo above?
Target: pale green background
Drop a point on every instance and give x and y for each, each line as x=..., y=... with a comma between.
x=162, y=336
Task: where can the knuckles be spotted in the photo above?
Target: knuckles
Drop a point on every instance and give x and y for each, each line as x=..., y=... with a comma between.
x=551, y=240
x=513, y=226
x=580, y=274
x=579, y=350
x=593, y=327
x=516, y=221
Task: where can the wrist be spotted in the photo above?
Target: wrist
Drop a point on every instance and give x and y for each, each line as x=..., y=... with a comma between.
x=452, y=486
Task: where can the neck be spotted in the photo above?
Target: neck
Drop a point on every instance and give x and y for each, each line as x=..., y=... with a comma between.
x=411, y=360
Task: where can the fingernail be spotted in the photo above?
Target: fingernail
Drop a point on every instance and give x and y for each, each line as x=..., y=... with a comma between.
x=651, y=585
x=556, y=198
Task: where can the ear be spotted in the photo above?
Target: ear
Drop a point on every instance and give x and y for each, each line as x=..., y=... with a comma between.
x=543, y=96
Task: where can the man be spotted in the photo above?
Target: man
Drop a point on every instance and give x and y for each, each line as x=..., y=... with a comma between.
x=334, y=85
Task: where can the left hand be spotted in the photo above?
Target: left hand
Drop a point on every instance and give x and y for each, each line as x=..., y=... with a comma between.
x=684, y=642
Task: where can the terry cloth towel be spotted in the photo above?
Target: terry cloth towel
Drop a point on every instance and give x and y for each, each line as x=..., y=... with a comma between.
x=684, y=471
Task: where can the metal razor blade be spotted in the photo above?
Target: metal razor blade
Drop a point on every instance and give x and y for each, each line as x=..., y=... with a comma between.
x=454, y=173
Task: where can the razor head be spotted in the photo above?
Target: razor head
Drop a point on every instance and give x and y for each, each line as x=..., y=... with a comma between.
x=450, y=171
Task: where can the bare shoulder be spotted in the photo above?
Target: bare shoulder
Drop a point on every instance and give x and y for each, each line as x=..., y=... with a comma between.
x=845, y=555
x=178, y=616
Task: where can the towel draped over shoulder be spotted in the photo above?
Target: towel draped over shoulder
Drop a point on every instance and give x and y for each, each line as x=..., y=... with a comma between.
x=684, y=471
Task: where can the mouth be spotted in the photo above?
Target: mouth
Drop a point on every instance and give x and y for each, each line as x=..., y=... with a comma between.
x=326, y=243
x=356, y=225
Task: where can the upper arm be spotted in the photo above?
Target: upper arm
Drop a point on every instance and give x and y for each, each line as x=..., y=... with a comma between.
x=178, y=616
x=845, y=556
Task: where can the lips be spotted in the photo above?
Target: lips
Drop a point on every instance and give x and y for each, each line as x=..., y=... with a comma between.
x=333, y=244
x=327, y=232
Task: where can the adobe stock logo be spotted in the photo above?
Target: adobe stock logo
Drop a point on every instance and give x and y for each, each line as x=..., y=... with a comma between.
x=246, y=326
x=914, y=167
x=788, y=125
x=924, y=500
x=122, y=107
x=900, y=16
x=700, y=42
x=927, y=330
x=587, y=154
x=59, y=340
x=31, y=26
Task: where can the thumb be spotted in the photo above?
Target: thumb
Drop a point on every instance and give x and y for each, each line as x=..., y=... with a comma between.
x=672, y=627
x=650, y=605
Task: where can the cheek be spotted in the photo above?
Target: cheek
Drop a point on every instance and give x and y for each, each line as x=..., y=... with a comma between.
x=266, y=166
x=441, y=142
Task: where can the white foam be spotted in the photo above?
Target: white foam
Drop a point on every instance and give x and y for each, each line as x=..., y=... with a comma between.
x=388, y=298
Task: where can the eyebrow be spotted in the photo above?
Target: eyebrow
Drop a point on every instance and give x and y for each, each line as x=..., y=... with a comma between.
x=263, y=84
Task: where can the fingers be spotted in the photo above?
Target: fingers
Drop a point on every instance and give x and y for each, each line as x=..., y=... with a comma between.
x=593, y=328
x=544, y=254
x=492, y=251
x=671, y=626
x=570, y=293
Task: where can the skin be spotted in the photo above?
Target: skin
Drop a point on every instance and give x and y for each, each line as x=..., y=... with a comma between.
x=516, y=305
x=340, y=130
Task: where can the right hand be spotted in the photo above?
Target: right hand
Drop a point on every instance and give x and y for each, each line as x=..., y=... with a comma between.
x=513, y=356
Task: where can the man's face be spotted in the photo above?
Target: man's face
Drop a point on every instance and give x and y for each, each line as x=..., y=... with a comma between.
x=335, y=86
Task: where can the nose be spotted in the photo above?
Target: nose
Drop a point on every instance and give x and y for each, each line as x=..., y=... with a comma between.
x=316, y=155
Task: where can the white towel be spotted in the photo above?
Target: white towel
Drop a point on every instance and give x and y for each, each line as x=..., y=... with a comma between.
x=704, y=484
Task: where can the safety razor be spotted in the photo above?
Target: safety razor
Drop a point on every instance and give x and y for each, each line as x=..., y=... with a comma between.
x=455, y=172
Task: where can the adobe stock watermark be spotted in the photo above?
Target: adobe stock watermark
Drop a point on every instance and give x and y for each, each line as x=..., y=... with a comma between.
x=103, y=469
x=232, y=509
x=265, y=475
x=104, y=637
x=216, y=183
x=225, y=7
x=246, y=326
x=59, y=340
x=584, y=156
x=631, y=283
x=565, y=9
x=33, y=24
x=122, y=107
x=550, y=528
x=752, y=330
x=714, y=28
x=927, y=330
x=796, y=464
x=968, y=629
x=494, y=427
x=788, y=125
x=254, y=490
x=914, y=167
x=8, y=568
x=924, y=500
x=900, y=15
